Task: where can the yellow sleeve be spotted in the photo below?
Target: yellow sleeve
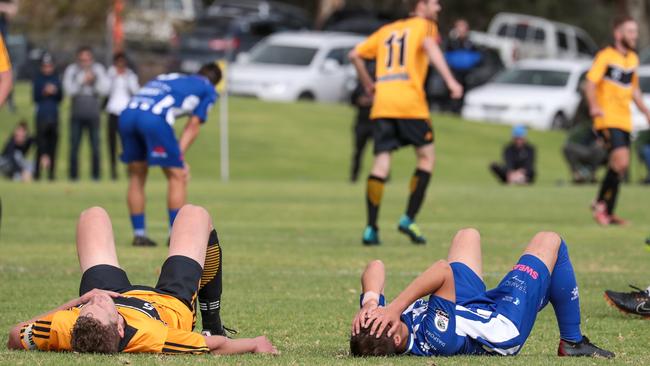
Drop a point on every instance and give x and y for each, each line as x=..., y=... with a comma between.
x=598, y=69
x=37, y=335
x=5, y=64
x=184, y=342
x=432, y=30
x=368, y=48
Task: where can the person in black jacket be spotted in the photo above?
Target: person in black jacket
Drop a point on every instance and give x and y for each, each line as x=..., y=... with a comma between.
x=13, y=162
x=519, y=157
x=47, y=94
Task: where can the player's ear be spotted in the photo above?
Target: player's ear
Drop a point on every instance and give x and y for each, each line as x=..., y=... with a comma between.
x=120, y=327
x=397, y=339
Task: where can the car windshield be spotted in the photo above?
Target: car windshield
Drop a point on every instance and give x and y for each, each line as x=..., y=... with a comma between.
x=533, y=77
x=644, y=84
x=283, y=55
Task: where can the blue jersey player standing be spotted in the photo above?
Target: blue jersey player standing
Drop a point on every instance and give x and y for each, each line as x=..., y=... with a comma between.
x=148, y=138
x=461, y=316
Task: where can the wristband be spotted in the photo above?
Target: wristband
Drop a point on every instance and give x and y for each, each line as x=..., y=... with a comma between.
x=369, y=295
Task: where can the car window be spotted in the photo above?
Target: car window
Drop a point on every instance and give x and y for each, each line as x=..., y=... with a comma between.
x=539, y=35
x=562, y=41
x=174, y=5
x=582, y=78
x=583, y=47
x=339, y=55
x=521, y=32
x=283, y=55
x=644, y=84
x=533, y=77
x=503, y=30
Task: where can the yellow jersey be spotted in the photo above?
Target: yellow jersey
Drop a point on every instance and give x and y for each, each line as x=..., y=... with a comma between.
x=155, y=323
x=616, y=79
x=401, y=68
x=5, y=64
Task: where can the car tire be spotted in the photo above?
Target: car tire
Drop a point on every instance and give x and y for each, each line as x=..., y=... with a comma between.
x=306, y=96
x=559, y=122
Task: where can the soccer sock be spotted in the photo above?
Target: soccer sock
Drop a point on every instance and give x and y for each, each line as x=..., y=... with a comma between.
x=374, y=192
x=419, y=183
x=210, y=286
x=137, y=221
x=564, y=296
x=172, y=212
x=609, y=190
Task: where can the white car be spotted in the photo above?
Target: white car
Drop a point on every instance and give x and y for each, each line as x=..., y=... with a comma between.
x=541, y=94
x=293, y=66
x=639, y=121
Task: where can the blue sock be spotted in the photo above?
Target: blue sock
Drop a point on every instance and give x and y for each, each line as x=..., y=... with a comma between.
x=564, y=297
x=137, y=221
x=172, y=216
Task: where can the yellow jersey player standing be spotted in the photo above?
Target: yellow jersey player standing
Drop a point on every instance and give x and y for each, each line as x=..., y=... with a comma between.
x=402, y=51
x=6, y=78
x=612, y=84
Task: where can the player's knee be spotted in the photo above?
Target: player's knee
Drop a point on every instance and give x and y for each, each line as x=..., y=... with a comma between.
x=376, y=263
x=548, y=240
x=469, y=232
x=93, y=213
x=193, y=211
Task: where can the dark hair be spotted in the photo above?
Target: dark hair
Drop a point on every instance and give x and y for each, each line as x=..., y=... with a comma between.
x=84, y=48
x=119, y=56
x=22, y=124
x=622, y=19
x=364, y=344
x=91, y=336
x=212, y=72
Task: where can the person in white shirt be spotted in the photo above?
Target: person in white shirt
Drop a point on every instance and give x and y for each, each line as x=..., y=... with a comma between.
x=123, y=85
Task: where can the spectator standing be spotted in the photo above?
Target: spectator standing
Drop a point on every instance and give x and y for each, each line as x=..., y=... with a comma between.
x=643, y=148
x=462, y=57
x=47, y=94
x=519, y=160
x=13, y=160
x=85, y=82
x=362, y=124
x=123, y=85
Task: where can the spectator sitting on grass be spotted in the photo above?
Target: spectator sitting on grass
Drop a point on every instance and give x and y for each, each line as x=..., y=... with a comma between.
x=643, y=147
x=519, y=160
x=13, y=162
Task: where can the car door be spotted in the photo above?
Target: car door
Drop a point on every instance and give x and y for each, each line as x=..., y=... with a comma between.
x=333, y=75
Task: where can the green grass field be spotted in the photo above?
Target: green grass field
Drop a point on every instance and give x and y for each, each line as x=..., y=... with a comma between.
x=290, y=226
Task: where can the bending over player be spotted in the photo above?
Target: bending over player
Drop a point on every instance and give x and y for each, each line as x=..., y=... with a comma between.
x=111, y=315
x=461, y=317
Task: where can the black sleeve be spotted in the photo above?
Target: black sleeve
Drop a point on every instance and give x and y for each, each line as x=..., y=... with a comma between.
x=510, y=157
x=530, y=160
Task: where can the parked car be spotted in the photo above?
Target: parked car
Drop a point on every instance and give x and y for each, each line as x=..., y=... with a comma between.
x=639, y=122
x=293, y=66
x=542, y=94
x=229, y=27
x=543, y=38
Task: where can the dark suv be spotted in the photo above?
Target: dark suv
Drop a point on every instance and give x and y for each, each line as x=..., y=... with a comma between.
x=229, y=27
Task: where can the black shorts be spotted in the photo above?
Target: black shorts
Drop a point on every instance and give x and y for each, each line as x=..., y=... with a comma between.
x=179, y=277
x=614, y=138
x=391, y=133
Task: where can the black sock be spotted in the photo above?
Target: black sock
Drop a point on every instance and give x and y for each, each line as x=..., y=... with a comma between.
x=374, y=192
x=609, y=190
x=418, y=187
x=210, y=287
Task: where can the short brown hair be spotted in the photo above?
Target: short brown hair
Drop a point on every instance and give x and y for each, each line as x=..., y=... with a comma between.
x=91, y=336
x=364, y=344
x=212, y=71
x=622, y=19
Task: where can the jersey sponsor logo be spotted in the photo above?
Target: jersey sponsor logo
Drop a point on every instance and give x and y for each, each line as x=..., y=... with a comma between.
x=516, y=283
x=137, y=304
x=575, y=294
x=441, y=321
x=28, y=337
x=619, y=75
x=514, y=300
x=526, y=269
x=159, y=152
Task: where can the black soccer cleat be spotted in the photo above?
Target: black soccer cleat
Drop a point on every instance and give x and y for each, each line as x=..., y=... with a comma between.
x=222, y=331
x=635, y=302
x=584, y=348
x=647, y=241
x=143, y=241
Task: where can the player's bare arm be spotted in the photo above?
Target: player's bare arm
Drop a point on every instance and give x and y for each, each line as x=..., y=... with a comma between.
x=191, y=131
x=219, y=345
x=637, y=96
x=438, y=60
x=6, y=83
x=14, y=333
x=362, y=72
x=438, y=279
x=372, y=284
x=590, y=93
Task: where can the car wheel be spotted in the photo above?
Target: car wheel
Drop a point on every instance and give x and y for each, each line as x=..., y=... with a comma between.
x=560, y=122
x=306, y=96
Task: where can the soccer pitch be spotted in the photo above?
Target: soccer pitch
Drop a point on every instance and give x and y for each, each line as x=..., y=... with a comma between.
x=291, y=224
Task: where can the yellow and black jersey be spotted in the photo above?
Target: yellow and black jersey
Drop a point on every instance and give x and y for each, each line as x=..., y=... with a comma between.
x=155, y=323
x=401, y=68
x=615, y=76
x=5, y=63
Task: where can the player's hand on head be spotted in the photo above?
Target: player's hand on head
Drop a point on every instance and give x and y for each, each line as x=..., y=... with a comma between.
x=384, y=319
x=94, y=292
x=362, y=317
x=263, y=345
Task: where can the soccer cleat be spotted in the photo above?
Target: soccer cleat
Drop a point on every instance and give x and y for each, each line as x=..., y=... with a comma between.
x=599, y=212
x=584, y=348
x=371, y=236
x=615, y=220
x=224, y=332
x=635, y=302
x=647, y=241
x=143, y=241
x=410, y=228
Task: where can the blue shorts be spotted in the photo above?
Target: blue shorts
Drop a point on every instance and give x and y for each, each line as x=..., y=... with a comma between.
x=148, y=137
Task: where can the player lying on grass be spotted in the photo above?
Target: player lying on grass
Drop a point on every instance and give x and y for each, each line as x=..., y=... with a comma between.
x=111, y=315
x=460, y=316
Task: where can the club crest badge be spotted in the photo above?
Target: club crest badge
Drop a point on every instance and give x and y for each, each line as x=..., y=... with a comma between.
x=441, y=321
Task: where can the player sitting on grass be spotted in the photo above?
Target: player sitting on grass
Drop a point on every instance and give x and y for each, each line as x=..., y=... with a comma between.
x=111, y=315
x=461, y=317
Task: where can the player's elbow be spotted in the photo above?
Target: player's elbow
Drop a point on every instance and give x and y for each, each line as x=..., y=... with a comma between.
x=14, y=339
x=353, y=55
